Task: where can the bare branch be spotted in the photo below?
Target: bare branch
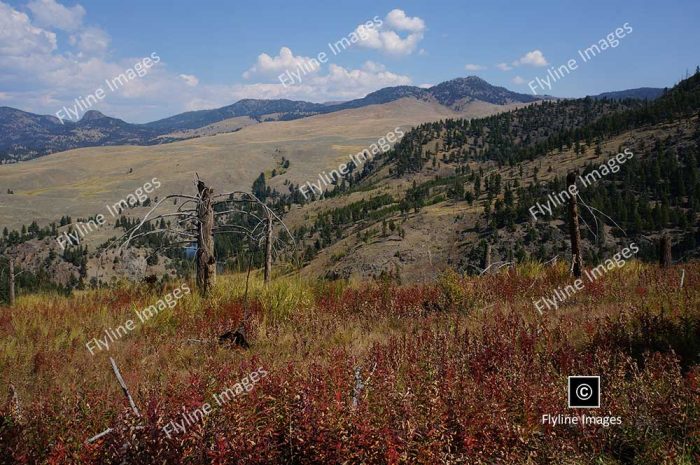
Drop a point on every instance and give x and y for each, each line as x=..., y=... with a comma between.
x=238, y=211
x=235, y=228
x=146, y=218
x=156, y=231
x=613, y=221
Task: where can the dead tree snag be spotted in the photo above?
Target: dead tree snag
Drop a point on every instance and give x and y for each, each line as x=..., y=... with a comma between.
x=574, y=230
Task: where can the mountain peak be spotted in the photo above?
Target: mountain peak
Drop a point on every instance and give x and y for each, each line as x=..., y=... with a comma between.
x=472, y=78
x=468, y=88
x=92, y=115
x=29, y=135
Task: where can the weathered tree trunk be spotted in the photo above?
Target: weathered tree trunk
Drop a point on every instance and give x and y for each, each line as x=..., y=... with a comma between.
x=206, y=263
x=12, y=282
x=124, y=387
x=268, y=250
x=15, y=407
x=665, y=251
x=574, y=229
x=486, y=265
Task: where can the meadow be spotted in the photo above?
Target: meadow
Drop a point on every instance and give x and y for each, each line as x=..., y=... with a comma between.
x=80, y=182
x=456, y=371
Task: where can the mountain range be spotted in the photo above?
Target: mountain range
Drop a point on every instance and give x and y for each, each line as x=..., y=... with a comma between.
x=456, y=180
x=640, y=93
x=26, y=135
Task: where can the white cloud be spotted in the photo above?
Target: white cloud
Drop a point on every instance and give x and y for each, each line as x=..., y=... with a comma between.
x=373, y=67
x=384, y=36
x=390, y=42
x=19, y=38
x=189, y=79
x=30, y=59
x=51, y=14
x=358, y=82
x=518, y=80
x=342, y=83
x=319, y=82
x=398, y=20
x=474, y=67
x=92, y=40
x=533, y=58
x=338, y=83
x=267, y=66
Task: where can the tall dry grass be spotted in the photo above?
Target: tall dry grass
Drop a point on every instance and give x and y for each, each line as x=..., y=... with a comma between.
x=455, y=372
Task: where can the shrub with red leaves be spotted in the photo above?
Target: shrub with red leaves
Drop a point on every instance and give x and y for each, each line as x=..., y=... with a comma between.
x=441, y=380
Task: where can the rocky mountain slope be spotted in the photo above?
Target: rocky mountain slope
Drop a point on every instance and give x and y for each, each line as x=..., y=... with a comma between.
x=449, y=93
x=640, y=93
x=25, y=135
x=455, y=182
x=453, y=186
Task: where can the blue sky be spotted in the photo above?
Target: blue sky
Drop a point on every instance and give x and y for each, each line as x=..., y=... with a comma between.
x=209, y=52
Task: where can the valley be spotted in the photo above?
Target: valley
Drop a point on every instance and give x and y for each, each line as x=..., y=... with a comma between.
x=403, y=240
x=463, y=234
x=79, y=182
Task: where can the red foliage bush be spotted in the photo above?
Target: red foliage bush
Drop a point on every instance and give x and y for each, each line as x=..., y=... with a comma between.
x=441, y=391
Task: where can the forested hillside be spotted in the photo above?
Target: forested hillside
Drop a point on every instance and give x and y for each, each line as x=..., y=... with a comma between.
x=493, y=170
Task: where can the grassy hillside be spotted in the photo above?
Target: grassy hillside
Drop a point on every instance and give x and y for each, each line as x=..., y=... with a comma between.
x=80, y=182
x=459, y=371
x=450, y=187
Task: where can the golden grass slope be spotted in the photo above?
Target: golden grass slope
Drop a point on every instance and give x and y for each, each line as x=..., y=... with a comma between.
x=221, y=127
x=458, y=347
x=439, y=235
x=81, y=182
